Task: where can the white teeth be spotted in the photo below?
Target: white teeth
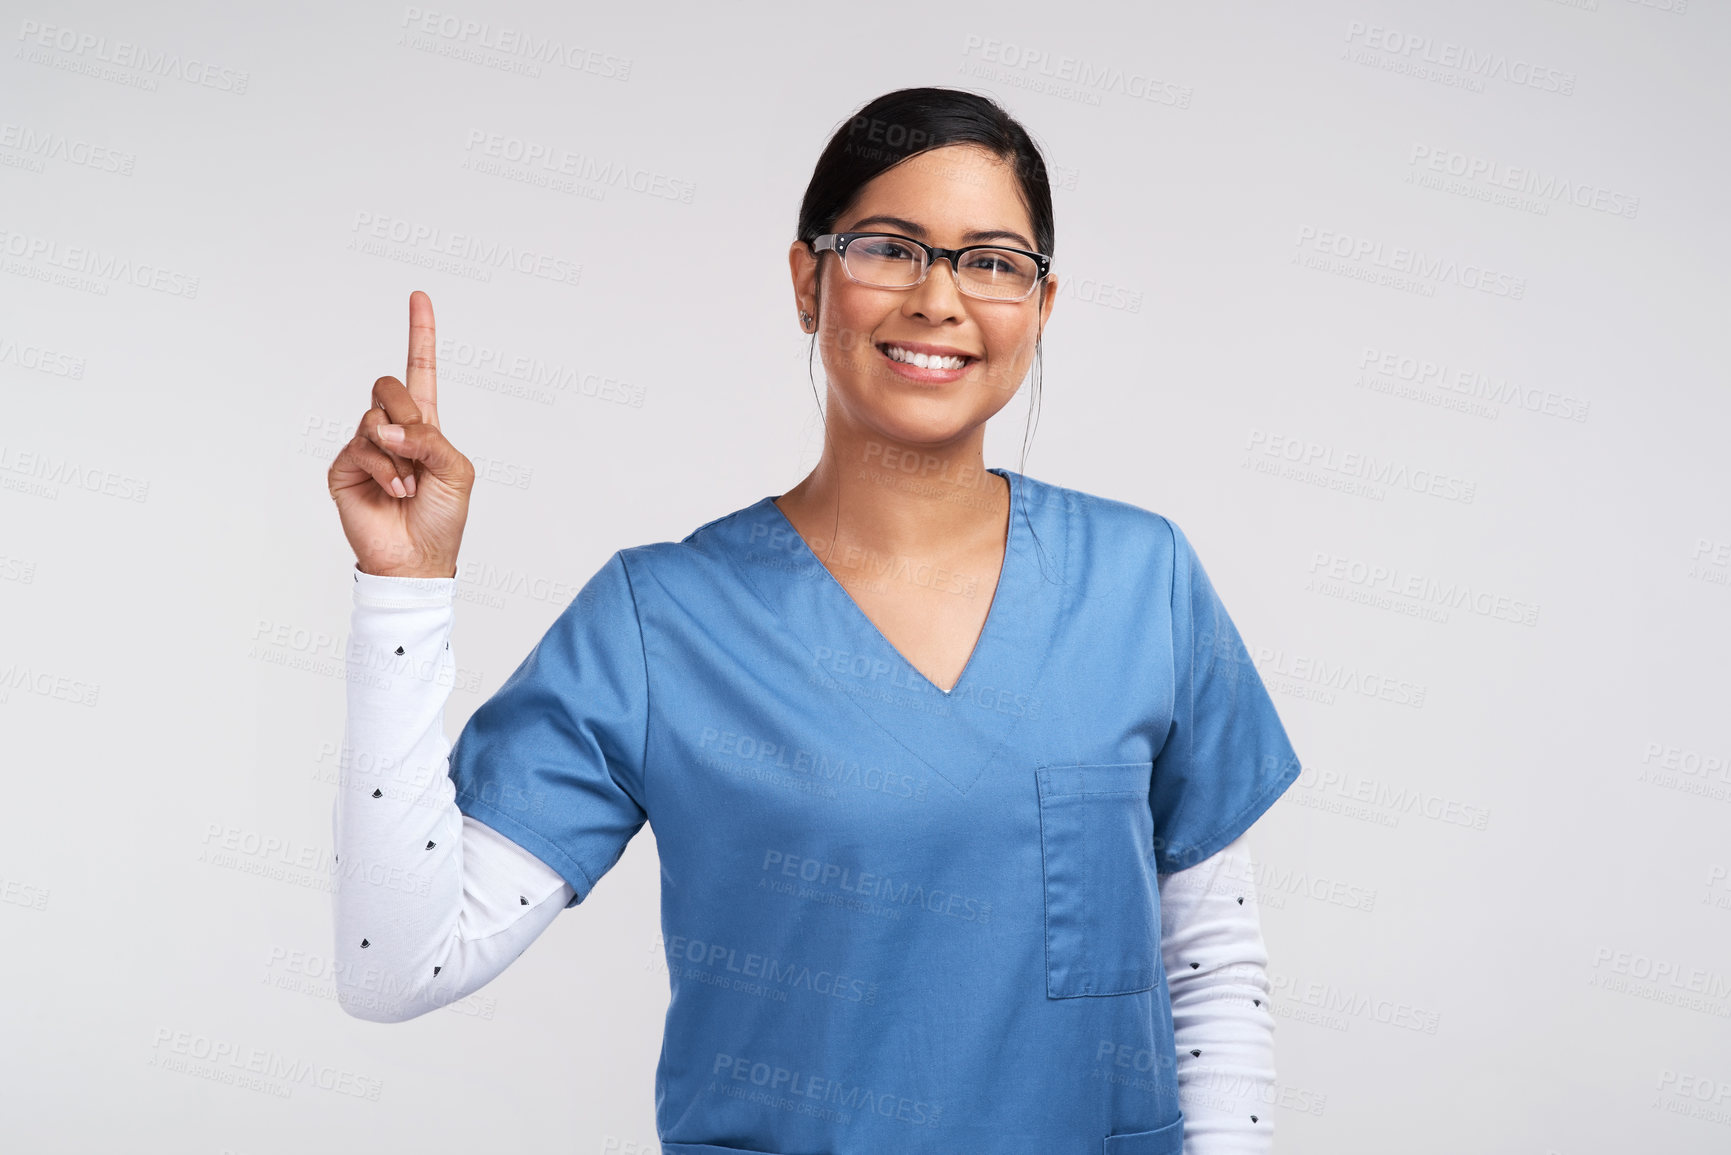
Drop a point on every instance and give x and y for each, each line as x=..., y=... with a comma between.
x=923, y=360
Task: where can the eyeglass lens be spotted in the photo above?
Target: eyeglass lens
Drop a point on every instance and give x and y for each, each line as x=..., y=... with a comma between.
x=889, y=263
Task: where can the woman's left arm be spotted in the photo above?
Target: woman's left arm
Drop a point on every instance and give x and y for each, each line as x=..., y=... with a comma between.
x=1211, y=946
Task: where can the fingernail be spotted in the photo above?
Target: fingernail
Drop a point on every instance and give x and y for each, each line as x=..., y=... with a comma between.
x=410, y=482
x=397, y=487
x=391, y=433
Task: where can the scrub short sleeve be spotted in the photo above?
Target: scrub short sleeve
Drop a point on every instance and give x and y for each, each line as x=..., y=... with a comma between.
x=1226, y=757
x=554, y=759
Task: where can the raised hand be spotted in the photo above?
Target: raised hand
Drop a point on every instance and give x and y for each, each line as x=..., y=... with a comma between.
x=401, y=489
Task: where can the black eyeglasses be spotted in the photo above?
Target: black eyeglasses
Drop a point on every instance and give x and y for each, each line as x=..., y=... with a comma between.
x=892, y=261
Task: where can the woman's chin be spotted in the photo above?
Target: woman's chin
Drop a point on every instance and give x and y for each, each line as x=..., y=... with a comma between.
x=923, y=422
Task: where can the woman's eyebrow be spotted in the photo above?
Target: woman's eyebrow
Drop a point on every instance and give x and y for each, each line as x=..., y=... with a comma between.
x=914, y=230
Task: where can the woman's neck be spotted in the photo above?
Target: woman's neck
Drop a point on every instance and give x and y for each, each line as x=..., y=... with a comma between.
x=899, y=500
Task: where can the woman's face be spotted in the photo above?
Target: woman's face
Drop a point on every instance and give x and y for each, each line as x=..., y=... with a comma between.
x=949, y=197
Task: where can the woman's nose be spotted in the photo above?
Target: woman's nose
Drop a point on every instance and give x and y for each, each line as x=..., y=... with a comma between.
x=939, y=296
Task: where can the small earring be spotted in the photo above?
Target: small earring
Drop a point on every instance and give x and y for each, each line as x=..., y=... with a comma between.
x=805, y=320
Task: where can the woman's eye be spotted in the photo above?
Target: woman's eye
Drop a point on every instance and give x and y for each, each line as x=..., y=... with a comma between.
x=887, y=250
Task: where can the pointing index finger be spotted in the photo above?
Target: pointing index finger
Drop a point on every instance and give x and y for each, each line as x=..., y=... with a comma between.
x=422, y=374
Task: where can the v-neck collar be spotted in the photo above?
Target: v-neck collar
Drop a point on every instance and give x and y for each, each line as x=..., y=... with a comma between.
x=956, y=733
x=992, y=611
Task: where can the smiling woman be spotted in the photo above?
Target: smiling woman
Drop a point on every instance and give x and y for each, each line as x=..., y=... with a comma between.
x=920, y=348
x=949, y=767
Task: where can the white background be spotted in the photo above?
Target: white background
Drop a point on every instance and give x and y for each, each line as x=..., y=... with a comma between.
x=1496, y=902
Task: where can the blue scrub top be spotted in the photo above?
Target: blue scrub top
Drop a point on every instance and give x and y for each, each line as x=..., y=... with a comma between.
x=896, y=919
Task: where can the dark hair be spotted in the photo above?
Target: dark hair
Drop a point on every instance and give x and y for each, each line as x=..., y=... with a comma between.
x=909, y=121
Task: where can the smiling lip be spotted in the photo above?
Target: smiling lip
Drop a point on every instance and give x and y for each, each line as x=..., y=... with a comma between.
x=929, y=350
x=927, y=376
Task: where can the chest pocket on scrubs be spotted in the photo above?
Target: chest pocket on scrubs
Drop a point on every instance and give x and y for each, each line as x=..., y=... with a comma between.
x=1102, y=893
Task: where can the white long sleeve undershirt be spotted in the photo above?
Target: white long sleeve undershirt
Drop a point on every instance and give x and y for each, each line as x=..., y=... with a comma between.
x=1216, y=970
x=430, y=904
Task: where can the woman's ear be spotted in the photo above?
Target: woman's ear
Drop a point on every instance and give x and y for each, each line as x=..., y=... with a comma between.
x=1048, y=298
x=802, y=265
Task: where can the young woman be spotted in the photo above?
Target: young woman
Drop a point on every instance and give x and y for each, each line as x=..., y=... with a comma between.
x=948, y=767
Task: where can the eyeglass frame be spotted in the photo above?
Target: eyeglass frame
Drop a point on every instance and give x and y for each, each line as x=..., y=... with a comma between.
x=837, y=243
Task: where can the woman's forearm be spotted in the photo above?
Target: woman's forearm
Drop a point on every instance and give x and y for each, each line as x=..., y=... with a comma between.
x=1215, y=960
x=429, y=904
